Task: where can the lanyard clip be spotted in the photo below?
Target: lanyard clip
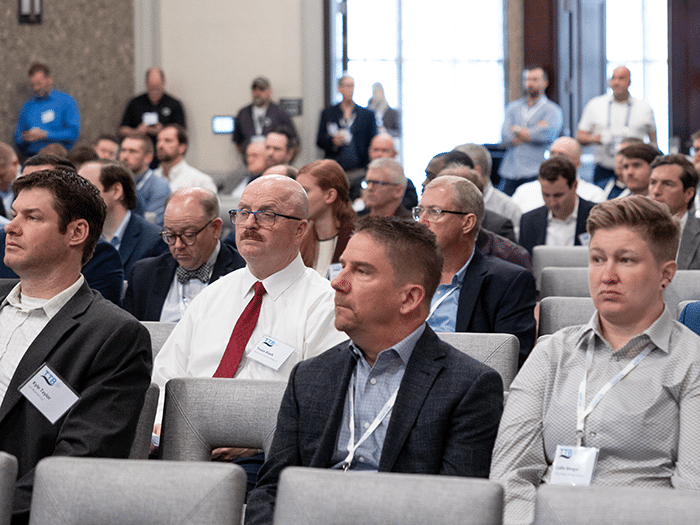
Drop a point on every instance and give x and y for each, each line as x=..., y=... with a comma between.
x=345, y=466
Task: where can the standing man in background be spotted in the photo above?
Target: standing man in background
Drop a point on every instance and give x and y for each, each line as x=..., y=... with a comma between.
x=607, y=119
x=48, y=117
x=531, y=124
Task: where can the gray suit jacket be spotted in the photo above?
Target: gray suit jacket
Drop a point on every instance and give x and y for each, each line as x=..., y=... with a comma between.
x=104, y=354
x=444, y=421
x=689, y=251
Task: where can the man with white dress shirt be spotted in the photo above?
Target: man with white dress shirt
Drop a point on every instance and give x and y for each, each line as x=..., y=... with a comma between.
x=562, y=219
x=673, y=181
x=171, y=148
x=296, y=309
x=529, y=196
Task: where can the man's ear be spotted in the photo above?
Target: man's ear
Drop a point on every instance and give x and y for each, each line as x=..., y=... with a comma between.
x=79, y=231
x=412, y=298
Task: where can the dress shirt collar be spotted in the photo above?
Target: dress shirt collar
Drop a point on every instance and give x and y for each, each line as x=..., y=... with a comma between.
x=659, y=332
x=403, y=348
x=278, y=282
x=52, y=306
x=119, y=234
x=571, y=218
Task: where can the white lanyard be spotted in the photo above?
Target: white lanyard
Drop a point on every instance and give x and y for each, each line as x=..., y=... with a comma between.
x=439, y=302
x=386, y=409
x=627, y=118
x=581, y=410
x=143, y=180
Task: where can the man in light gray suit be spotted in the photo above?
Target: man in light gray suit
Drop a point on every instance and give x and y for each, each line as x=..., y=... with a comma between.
x=673, y=181
x=435, y=410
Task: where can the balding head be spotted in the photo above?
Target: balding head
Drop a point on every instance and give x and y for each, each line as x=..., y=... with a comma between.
x=568, y=148
x=464, y=172
x=382, y=146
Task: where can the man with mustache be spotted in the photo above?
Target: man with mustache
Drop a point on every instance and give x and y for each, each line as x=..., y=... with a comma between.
x=275, y=301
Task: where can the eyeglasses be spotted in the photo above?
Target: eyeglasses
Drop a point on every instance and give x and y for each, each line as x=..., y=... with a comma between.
x=265, y=218
x=188, y=238
x=366, y=183
x=432, y=213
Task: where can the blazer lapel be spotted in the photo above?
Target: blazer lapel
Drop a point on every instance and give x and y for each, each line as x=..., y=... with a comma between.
x=130, y=240
x=44, y=344
x=469, y=293
x=690, y=240
x=422, y=370
x=163, y=279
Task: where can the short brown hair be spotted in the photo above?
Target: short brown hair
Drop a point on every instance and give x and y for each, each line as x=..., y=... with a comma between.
x=145, y=140
x=640, y=151
x=73, y=198
x=555, y=167
x=651, y=219
x=411, y=248
x=114, y=172
x=39, y=67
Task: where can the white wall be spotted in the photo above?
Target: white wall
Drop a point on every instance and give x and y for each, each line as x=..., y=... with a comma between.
x=211, y=50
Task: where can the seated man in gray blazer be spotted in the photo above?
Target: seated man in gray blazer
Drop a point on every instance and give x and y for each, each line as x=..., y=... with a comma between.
x=673, y=181
x=394, y=398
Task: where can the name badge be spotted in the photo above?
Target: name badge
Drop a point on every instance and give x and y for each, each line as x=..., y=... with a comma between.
x=49, y=393
x=150, y=118
x=584, y=238
x=270, y=352
x=573, y=465
x=333, y=270
x=48, y=116
x=332, y=128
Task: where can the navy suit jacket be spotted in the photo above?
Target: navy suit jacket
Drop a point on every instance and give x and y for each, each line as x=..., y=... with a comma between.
x=103, y=272
x=498, y=297
x=533, y=225
x=151, y=278
x=141, y=239
x=444, y=420
x=104, y=354
x=364, y=128
x=690, y=316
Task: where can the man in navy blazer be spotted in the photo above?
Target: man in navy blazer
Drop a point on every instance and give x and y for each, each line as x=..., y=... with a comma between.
x=131, y=234
x=563, y=216
x=476, y=293
x=160, y=288
x=61, y=332
x=434, y=409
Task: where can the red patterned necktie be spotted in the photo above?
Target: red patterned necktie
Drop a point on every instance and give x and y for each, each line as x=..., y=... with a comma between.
x=241, y=334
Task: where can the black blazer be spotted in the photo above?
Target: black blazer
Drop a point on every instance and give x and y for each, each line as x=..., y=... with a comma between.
x=141, y=239
x=444, y=421
x=498, y=297
x=104, y=354
x=151, y=278
x=498, y=224
x=533, y=225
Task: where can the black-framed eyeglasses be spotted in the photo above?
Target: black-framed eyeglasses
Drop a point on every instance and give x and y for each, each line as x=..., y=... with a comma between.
x=187, y=238
x=264, y=218
x=367, y=182
x=432, y=213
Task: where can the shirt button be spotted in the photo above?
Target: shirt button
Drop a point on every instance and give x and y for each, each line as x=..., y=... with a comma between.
x=592, y=434
x=361, y=459
x=366, y=425
x=373, y=381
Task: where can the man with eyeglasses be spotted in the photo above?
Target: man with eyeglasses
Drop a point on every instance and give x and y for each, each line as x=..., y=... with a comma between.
x=259, y=321
x=161, y=288
x=476, y=293
x=383, y=190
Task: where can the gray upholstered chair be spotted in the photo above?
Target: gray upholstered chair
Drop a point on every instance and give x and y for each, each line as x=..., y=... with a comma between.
x=159, y=333
x=8, y=476
x=144, y=428
x=559, y=312
x=202, y=414
x=499, y=351
x=564, y=256
x=76, y=491
x=597, y=505
x=307, y=496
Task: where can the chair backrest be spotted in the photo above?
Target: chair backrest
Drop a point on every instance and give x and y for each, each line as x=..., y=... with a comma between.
x=307, y=496
x=76, y=491
x=144, y=428
x=573, y=282
x=202, y=414
x=159, y=333
x=8, y=476
x=499, y=351
x=564, y=282
x=559, y=312
x=595, y=505
x=565, y=256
